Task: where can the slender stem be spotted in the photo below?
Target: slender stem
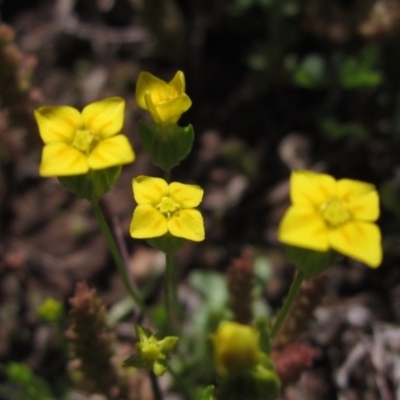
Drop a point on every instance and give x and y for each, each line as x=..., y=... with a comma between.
x=287, y=303
x=170, y=290
x=155, y=386
x=116, y=254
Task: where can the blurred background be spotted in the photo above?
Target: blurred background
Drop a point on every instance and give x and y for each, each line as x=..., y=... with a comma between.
x=276, y=85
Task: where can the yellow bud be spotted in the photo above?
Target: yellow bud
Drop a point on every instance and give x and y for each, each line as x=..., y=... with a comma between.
x=235, y=346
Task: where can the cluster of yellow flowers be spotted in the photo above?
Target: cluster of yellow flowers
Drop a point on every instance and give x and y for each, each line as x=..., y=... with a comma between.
x=77, y=142
x=324, y=214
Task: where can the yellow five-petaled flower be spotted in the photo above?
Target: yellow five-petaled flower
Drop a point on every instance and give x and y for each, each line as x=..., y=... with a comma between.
x=76, y=142
x=164, y=208
x=338, y=214
x=166, y=102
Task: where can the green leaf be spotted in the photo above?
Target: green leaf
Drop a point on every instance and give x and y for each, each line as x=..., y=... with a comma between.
x=212, y=286
x=360, y=72
x=93, y=185
x=23, y=383
x=335, y=130
x=207, y=393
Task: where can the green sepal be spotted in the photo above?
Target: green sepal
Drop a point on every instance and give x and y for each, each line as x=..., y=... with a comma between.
x=136, y=361
x=93, y=185
x=259, y=383
x=167, y=145
x=310, y=262
x=167, y=243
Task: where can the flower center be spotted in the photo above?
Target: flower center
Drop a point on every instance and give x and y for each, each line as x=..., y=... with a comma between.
x=150, y=350
x=335, y=213
x=167, y=206
x=83, y=140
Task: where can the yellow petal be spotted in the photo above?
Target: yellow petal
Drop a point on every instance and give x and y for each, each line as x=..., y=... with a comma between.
x=359, y=240
x=187, y=196
x=110, y=152
x=148, y=190
x=59, y=159
x=151, y=107
x=361, y=199
x=187, y=224
x=105, y=117
x=365, y=208
x=170, y=111
x=58, y=123
x=177, y=84
x=349, y=188
x=311, y=188
x=301, y=226
x=147, y=222
x=157, y=88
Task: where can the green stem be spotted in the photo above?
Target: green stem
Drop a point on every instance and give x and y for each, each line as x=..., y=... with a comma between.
x=155, y=386
x=98, y=212
x=170, y=290
x=287, y=303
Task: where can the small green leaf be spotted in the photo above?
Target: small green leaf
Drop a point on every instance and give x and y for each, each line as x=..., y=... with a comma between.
x=207, y=393
x=360, y=71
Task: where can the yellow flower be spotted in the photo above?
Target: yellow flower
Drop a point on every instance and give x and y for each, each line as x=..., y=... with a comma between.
x=166, y=102
x=77, y=142
x=166, y=208
x=338, y=214
x=235, y=346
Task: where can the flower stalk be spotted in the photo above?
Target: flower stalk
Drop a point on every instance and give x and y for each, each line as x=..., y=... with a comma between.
x=119, y=262
x=171, y=298
x=287, y=303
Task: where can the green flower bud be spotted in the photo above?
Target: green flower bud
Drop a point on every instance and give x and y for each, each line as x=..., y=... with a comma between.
x=152, y=353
